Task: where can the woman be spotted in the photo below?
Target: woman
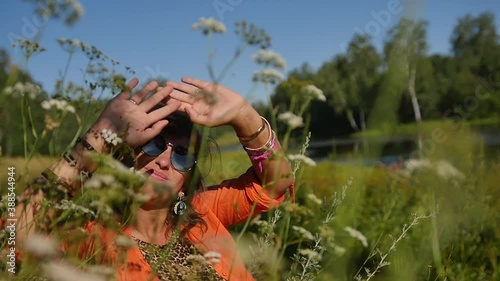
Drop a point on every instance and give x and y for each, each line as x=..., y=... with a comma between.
x=161, y=136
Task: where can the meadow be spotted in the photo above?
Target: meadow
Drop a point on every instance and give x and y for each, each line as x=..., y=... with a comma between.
x=434, y=215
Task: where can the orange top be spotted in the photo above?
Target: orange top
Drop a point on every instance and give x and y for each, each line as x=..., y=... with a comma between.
x=220, y=206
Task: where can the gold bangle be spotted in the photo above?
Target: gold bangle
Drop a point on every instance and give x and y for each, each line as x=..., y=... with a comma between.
x=256, y=134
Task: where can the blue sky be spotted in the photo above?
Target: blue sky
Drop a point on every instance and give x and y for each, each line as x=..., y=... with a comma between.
x=156, y=37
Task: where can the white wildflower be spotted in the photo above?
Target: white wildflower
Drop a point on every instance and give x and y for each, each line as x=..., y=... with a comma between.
x=212, y=257
x=45, y=105
x=69, y=205
x=60, y=105
x=196, y=259
x=8, y=90
x=338, y=249
x=310, y=254
x=315, y=92
x=111, y=137
x=124, y=241
x=76, y=43
x=78, y=8
x=356, y=234
x=415, y=164
x=98, y=181
x=41, y=246
x=314, y=199
x=24, y=89
x=209, y=25
x=291, y=119
x=103, y=270
x=267, y=76
x=62, y=271
x=447, y=171
x=302, y=158
x=62, y=40
x=270, y=58
x=303, y=233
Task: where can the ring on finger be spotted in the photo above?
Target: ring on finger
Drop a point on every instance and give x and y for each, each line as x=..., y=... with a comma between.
x=133, y=101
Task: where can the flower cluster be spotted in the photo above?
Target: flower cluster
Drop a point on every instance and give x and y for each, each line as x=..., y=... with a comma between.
x=60, y=105
x=315, y=92
x=310, y=254
x=209, y=25
x=270, y=58
x=313, y=197
x=357, y=235
x=303, y=233
x=29, y=47
x=111, y=137
x=267, y=76
x=23, y=89
x=291, y=119
x=212, y=257
x=41, y=246
x=302, y=158
x=69, y=205
x=253, y=35
x=69, y=10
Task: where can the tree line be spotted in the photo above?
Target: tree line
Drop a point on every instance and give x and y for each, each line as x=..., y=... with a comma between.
x=365, y=88
x=402, y=83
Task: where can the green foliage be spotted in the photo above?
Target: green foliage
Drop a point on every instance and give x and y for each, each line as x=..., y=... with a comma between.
x=433, y=218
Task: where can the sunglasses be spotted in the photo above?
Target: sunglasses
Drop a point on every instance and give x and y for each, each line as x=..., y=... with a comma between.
x=180, y=157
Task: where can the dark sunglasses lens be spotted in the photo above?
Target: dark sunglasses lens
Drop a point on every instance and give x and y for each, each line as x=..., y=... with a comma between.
x=155, y=146
x=183, y=162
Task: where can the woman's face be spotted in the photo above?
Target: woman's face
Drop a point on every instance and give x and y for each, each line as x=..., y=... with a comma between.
x=171, y=166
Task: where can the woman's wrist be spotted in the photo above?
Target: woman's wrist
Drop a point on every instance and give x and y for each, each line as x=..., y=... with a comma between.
x=247, y=123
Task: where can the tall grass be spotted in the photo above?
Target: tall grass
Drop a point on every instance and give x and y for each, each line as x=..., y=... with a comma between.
x=436, y=218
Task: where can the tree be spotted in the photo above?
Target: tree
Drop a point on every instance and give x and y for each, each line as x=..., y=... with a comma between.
x=364, y=65
x=409, y=38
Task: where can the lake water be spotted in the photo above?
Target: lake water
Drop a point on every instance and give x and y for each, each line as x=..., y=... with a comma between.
x=384, y=150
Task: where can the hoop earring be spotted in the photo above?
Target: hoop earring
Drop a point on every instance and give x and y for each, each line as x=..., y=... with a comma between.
x=180, y=206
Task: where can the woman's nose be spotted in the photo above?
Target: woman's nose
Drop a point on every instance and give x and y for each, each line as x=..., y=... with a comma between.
x=163, y=160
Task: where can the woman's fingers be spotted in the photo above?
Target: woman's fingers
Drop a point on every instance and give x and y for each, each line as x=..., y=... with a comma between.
x=159, y=96
x=139, y=96
x=196, y=82
x=154, y=130
x=185, y=88
x=164, y=111
x=182, y=97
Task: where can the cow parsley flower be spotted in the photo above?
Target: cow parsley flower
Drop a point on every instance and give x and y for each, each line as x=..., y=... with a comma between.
x=267, y=76
x=23, y=89
x=303, y=233
x=313, y=197
x=310, y=254
x=209, y=25
x=111, y=137
x=302, y=158
x=315, y=92
x=212, y=257
x=270, y=58
x=291, y=119
x=60, y=105
x=357, y=235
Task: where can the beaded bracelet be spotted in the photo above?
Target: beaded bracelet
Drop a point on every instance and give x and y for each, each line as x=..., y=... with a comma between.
x=85, y=143
x=256, y=134
x=55, y=179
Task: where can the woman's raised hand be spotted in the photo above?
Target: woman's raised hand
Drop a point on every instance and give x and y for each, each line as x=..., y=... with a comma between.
x=132, y=117
x=206, y=103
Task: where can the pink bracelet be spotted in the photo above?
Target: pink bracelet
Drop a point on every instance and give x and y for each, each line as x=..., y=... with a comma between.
x=257, y=156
